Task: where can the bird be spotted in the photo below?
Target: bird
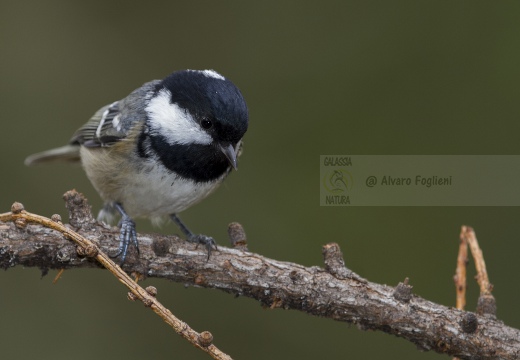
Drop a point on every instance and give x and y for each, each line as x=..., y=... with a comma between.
x=163, y=148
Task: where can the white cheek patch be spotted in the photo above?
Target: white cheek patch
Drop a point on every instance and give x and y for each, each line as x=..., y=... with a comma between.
x=173, y=123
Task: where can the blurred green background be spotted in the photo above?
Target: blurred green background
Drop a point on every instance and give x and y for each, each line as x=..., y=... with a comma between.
x=330, y=77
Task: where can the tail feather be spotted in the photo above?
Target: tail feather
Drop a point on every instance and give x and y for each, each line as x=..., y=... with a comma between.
x=68, y=153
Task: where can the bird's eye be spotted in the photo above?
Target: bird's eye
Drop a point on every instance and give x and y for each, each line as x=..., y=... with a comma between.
x=206, y=124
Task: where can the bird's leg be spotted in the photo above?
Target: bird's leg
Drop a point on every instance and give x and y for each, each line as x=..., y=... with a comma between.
x=199, y=239
x=127, y=234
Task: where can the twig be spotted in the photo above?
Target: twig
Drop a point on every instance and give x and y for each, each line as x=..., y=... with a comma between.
x=482, y=277
x=87, y=248
x=460, y=273
x=486, y=302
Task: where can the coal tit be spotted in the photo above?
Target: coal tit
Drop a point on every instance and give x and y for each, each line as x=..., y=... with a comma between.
x=163, y=148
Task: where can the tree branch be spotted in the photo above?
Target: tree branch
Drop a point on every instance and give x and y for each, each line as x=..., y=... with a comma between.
x=333, y=292
x=87, y=248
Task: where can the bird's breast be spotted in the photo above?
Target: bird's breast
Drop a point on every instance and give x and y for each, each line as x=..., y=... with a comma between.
x=145, y=188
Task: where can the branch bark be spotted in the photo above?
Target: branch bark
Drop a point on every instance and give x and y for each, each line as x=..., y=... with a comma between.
x=333, y=292
x=87, y=248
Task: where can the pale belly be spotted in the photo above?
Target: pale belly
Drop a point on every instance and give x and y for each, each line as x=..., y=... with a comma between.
x=150, y=191
x=156, y=195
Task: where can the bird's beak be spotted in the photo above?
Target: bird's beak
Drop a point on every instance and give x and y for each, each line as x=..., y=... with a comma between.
x=230, y=153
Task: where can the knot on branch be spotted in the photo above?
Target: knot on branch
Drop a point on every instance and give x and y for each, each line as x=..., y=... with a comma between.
x=237, y=236
x=17, y=208
x=152, y=290
x=205, y=339
x=80, y=212
x=469, y=323
x=56, y=218
x=20, y=223
x=486, y=305
x=403, y=291
x=335, y=265
x=90, y=250
x=131, y=296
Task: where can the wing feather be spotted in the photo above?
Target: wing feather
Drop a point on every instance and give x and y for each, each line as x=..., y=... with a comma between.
x=108, y=126
x=113, y=123
x=103, y=129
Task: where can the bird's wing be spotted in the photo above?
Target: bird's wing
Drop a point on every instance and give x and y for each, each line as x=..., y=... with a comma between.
x=113, y=123
x=109, y=125
x=101, y=129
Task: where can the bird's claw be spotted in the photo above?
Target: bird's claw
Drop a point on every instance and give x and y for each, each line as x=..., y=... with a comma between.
x=127, y=235
x=208, y=242
x=198, y=239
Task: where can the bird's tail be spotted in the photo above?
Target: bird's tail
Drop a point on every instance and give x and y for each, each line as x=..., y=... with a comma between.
x=67, y=153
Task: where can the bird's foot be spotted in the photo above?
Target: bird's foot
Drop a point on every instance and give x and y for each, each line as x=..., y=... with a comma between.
x=208, y=242
x=127, y=235
x=199, y=239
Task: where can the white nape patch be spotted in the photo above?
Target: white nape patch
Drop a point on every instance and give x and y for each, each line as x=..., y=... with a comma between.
x=211, y=74
x=174, y=123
